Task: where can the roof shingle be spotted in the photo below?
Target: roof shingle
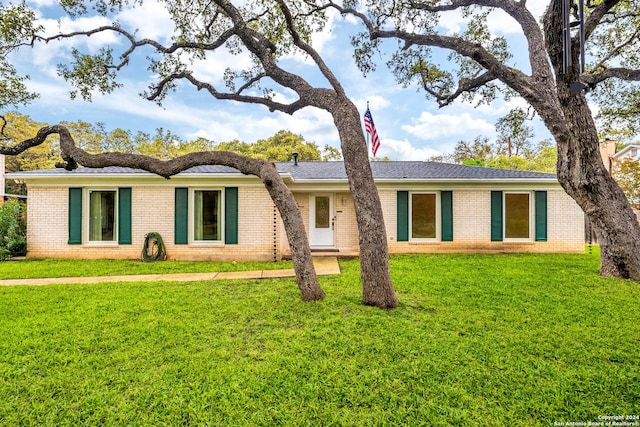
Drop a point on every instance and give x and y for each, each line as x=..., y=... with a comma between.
x=400, y=170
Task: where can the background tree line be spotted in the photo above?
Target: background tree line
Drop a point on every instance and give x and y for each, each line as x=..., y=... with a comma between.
x=163, y=144
x=514, y=147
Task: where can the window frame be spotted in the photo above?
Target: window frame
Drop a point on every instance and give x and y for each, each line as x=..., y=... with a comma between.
x=87, y=214
x=438, y=214
x=192, y=216
x=531, y=199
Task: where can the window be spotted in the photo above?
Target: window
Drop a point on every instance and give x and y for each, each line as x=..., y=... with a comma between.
x=102, y=215
x=424, y=221
x=99, y=215
x=517, y=216
x=207, y=215
x=424, y=216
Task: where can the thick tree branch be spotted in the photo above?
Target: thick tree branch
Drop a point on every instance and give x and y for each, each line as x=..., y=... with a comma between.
x=516, y=10
x=297, y=40
x=23, y=146
x=282, y=197
x=592, y=79
x=237, y=96
x=596, y=15
x=495, y=68
x=513, y=78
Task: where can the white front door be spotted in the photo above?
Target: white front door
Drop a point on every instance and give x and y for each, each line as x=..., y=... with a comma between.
x=321, y=221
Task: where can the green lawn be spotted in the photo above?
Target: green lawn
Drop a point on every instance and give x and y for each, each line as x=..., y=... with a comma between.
x=490, y=340
x=42, y=268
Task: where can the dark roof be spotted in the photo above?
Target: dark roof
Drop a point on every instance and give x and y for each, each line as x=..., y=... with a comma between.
x=335, y=171
x=407, y=170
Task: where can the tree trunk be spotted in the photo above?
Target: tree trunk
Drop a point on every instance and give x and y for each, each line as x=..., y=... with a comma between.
x=584, y=177
x=282, y=197
x=377, y=287
x=581, y=171
x=294, y=227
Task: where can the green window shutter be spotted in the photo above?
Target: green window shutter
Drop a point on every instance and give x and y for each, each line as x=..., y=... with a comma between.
x=403, y=216
x=496, y=216
x=75, y=216
x=541, y=216
x=181, y=219
x=124, y=216
x=231, y=215
x=446, y=207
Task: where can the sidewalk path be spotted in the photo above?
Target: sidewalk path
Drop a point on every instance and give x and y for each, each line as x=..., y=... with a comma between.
x=324, y=266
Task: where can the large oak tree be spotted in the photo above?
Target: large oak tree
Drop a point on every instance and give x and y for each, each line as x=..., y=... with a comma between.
x=265, y=30
x=550, y=78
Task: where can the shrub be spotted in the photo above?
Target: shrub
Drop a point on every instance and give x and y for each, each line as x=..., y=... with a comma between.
x=13, y=229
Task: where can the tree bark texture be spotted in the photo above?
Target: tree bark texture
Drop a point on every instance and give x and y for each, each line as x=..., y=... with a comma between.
x=282, y=197
x=582, y=174
x=377, y=287
x=581, y=171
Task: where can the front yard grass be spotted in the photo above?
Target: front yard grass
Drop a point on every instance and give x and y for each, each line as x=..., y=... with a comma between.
x=486, y=340
x=45, y=268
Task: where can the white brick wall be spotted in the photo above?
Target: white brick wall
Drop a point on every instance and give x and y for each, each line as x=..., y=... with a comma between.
x=152, y=209
x=258, y=236
x=472, y=226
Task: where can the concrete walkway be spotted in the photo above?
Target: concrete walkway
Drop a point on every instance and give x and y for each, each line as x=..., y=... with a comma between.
x=324, y=266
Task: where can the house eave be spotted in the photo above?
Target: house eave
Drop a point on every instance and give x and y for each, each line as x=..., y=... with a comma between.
x=436, y=181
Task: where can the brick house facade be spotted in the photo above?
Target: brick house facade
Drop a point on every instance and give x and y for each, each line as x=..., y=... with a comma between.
x=216, y=213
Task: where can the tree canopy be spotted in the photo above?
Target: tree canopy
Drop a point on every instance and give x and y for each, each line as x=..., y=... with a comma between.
x=280, y=148
x=627, y=173
x=163, y=144
x=513, y=149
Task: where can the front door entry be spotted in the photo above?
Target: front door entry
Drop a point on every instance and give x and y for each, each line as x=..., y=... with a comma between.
x=321, y=221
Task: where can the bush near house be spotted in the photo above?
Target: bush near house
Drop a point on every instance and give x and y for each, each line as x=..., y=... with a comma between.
x=13, y=229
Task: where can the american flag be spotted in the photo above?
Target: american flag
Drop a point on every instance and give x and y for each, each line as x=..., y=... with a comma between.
x=371, y=129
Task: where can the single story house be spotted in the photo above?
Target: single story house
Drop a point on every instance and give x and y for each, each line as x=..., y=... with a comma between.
x=217, y=213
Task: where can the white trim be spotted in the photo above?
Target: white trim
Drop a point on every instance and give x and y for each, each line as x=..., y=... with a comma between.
x=531, y=217
x=630, y=147
x=332, y=219
x=438, y=224
x=86, y=214
x=192, y=212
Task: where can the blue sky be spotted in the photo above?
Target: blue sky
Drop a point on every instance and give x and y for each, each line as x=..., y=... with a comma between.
x=411, y=127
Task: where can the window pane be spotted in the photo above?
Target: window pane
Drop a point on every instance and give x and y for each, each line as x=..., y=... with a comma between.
x=207, y=215
x=322, y=212
x=423, y=216
x=102, y=215
x=516, y=216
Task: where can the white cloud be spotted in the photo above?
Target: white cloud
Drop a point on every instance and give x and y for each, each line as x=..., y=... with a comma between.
x=376, y=103
x=404, y=150
x=41, y=3
x=68, y=25
x=157, y=23
x=213, y=67
x=250, y=123
x=433, y=126
x=498, y=21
